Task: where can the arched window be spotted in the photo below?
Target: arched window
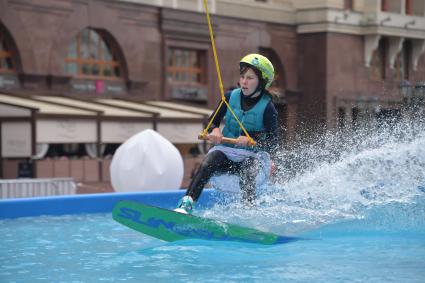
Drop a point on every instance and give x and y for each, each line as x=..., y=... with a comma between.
x=91, y=56
x=279, y=81
x=7, y=63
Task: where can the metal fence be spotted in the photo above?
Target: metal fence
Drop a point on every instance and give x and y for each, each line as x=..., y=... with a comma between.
x=20, y=188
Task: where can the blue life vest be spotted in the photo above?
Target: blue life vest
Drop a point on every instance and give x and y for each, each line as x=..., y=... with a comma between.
x=252, y=120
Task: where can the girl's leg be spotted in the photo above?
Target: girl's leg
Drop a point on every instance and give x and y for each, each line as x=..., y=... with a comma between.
x=214, y=162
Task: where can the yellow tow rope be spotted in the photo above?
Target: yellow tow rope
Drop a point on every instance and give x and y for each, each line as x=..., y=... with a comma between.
x=223, y=98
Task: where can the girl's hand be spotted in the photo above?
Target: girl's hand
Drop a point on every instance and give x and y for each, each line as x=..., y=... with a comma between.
x=242, y=141
x=215, y=136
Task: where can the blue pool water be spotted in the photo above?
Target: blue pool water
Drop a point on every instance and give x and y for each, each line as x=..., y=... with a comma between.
x=94, y=248
x=361, y=213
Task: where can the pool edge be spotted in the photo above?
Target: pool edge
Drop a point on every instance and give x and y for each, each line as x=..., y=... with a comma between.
x=90, y=203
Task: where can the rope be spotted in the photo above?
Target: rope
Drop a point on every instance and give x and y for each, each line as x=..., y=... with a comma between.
x=223, y=98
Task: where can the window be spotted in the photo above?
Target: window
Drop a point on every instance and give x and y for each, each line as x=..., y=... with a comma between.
x=68, y=150
x=378, y=64
x=384, y=5
x=341, y=118
x=91, y=56
x=348, y=4
x=402, y=63
x=7, y=64
x=388, y=117
x=355, y=115
x=408, y=7
x=185, y=66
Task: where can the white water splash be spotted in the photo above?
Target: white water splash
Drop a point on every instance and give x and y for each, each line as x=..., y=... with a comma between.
x=335, y=182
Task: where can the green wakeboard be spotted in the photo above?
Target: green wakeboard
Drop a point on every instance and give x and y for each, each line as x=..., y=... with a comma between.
x=172, y=226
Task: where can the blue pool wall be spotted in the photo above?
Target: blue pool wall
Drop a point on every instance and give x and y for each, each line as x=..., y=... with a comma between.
x=94, y=203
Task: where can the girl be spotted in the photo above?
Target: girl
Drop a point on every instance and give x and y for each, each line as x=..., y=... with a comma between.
x=252, y=104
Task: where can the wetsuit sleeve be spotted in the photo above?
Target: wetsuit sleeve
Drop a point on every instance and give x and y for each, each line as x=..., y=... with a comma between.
x=220, y=114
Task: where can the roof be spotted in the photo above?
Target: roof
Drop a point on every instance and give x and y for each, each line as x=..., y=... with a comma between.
x=62, y=119
x=160, y=111
x=107, y=110
x=44, y=107
x=9, y=110
x=182, y=107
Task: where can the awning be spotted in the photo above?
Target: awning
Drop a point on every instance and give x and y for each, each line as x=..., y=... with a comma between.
x=15, y=130
x=160, y=111
x=25, y=122
x=15, y=133
x=117, y=124
x=9, y=110
x=44, y=107
x=176, y=125
x=29, y=120
x=120, y=119
x=182, y=107
x=107, y=111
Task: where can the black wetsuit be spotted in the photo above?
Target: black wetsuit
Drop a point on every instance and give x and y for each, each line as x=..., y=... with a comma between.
x=217, y=162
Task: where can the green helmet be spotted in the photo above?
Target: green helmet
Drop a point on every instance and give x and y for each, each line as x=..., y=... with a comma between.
x=261, y=63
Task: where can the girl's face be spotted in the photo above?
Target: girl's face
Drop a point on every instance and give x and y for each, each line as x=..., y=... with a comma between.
x=248, y=81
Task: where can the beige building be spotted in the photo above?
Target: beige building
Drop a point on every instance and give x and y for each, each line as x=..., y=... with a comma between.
x=77, y=78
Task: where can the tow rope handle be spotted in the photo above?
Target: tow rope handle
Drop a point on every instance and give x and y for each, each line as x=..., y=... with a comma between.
x=204, y=134
x=227, y=140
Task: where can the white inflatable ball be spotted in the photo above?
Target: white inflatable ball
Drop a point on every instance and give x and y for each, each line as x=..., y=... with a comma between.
x=146, y=162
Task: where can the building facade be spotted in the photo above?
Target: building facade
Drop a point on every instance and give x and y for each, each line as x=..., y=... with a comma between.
x=368, y=49
x=335, y=59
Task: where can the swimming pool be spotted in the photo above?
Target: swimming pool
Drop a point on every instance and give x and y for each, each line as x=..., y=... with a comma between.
x=386, y=244
x=362, y=214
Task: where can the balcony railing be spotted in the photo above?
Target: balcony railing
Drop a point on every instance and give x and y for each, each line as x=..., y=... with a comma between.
x=20, y=188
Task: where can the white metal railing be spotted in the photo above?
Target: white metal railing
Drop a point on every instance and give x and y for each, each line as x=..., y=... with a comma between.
x=20, y=188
